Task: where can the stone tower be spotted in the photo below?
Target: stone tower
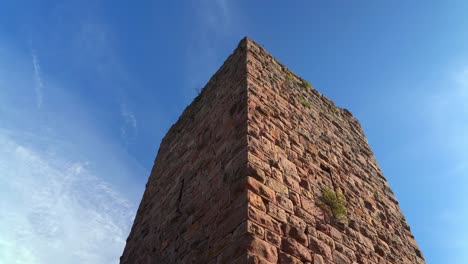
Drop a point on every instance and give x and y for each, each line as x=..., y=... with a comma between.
x=262, y=168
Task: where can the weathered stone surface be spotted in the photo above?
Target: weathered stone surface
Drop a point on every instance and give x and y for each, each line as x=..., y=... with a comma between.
x=294, y=248
x=277, y=213
x=264, y=220
x=190, y=202
x=258, y=247
x=260, y=189
x=239, y=178
x=339, y=258
x=320, y=247
x=249, y=258
x=283, y=202
x=256, y=201
x=273, y=238
x=318, y=259
x=255, y=229
x=284, y=258
x=295, y=233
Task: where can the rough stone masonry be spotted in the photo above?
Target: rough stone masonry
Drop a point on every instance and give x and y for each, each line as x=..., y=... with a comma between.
x=262, y=168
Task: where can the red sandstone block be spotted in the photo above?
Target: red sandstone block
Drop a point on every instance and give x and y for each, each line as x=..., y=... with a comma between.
x=295, y=198
x=218, y=246
x=260, y=189
x=294, y=248
x=295, y=233
x=284, y=202
x=301, y=213
x=317, y=259
x=276, y=212
x=291, y=183
x=322, y=236
x=277, y=175
x=288, y=167
x=255, y=200
x=339, y=258
x=284, y=258
x=249, y=258
x=232, y=251
x=309, y=205
x=257, y=162
x=336, y=234
x=264, y=220
x=308, y=194
x=273, y=238
x=255, y=172
x=346, y=251
x=255, y=229
x=297, y=222
x=240, y=231
x=277, y=186
x=320, y=247
x=262, y=249
x=231, y=222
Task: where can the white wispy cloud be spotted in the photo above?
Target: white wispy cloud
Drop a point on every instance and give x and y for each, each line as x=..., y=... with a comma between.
x=59, y=175
x=39, y=84
x=56, y=210
x=216, y=23
x=130, y=122
x=94, y=44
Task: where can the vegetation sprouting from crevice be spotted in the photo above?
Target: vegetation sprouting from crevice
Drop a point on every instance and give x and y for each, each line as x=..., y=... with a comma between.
x=334, y=203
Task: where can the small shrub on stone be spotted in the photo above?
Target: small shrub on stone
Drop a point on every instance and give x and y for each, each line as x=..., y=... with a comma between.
x=305, y=102
x=377, y=196
x=334, y=203
x=307, y=85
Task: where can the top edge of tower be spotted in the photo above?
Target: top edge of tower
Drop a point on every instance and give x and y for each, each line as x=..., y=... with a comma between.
x=247, y=44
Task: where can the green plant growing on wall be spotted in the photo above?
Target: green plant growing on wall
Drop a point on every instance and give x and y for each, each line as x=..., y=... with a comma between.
x=307, y=85
x=377, y=196
x=289, y=76
x=304, y=101
x=334, y=203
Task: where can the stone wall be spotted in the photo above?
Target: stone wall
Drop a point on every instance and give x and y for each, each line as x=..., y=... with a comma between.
x=246, y=175
x=304, y=145
x=191, y=208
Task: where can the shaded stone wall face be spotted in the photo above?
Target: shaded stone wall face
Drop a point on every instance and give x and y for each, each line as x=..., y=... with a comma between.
x=242, y=176
x=192, y=211
x=301, y=144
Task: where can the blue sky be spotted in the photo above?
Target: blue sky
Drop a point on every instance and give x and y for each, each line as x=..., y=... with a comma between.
x=89, y=88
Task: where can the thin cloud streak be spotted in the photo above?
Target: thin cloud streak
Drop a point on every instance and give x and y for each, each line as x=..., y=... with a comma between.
x=39, y=84
x=213, y=25
x=94, y=43
x=130, y=122
x=58, y=202
x=128, y=116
